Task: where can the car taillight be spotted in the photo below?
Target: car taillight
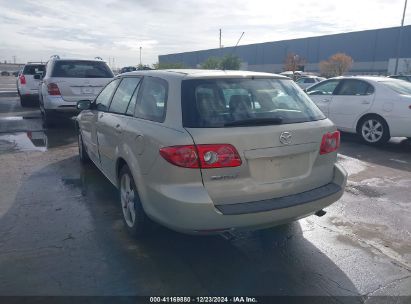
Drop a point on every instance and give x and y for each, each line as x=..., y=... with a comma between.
x=53, y=89
x=202, y=156
x=330, y=142
x=22, y=79
x=218, y=156
x=182, y=156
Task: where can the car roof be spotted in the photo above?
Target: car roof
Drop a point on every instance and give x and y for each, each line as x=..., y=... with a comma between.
x=199, y=73
x=76, y=59
x=369, y=78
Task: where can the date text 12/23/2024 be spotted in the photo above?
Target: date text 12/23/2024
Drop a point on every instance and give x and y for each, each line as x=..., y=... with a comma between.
x=203, y=300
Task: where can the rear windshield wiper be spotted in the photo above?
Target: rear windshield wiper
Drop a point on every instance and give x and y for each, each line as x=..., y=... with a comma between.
x=255, y=122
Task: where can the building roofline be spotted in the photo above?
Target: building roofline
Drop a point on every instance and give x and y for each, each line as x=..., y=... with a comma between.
x=286, y=40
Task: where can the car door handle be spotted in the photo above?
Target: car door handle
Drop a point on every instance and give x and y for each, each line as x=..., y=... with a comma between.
x=365, y=102
x=326, y=100
x=118, y=129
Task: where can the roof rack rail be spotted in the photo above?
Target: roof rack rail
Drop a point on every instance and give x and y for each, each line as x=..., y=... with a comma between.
x=55, y=56
x=31, y=62
x=98, y=58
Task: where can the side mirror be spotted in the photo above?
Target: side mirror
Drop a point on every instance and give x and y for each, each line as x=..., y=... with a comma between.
x=83, y=105
x=37, y=76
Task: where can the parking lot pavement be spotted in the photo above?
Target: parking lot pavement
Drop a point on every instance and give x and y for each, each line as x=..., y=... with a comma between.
x=61, y=231
x=8, y=86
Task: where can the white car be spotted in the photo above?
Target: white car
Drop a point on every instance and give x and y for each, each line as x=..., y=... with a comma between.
x=307, y=81
x=376, y=108
x=67, y=81
x=28, y=83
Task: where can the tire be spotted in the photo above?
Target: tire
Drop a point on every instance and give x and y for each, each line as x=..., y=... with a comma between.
x=84, y=158
x=373, y=130
x=24, y=102
x=136, y=225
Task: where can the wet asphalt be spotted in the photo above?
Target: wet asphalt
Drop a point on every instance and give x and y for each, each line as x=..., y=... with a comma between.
x=61, y=231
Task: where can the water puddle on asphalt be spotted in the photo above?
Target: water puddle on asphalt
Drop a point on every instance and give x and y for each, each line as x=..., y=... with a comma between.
x=13, y=118
x=27, y=141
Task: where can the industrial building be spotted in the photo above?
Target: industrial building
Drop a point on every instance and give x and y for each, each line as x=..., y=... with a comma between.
x=373, y=52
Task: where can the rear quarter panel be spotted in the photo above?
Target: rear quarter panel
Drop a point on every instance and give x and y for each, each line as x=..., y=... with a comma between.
x=393, y=108
x=140, y=149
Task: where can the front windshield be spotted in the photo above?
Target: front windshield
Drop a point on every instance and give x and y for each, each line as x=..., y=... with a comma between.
x=253, y=101
x=399, y=86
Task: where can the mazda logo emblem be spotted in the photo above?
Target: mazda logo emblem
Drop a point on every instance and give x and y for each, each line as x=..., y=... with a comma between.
x=285, y=138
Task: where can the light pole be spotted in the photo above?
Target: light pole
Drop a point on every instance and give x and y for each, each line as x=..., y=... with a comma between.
x=399, y=38
x=140, y=55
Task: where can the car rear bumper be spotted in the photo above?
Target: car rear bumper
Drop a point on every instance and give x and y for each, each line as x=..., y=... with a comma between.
x=190, y=209
x=399, y=126
x=25, y=91
x=58, y=104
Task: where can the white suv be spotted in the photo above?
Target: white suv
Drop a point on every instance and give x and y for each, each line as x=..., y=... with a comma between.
x=67, y=81
x=28, y=83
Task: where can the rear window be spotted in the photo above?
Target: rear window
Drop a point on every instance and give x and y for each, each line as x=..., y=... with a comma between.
x=220, y=103
x=401, y=87
x=34, y=69
x=81, y=69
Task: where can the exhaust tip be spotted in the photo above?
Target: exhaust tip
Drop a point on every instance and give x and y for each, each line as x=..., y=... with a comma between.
x=320, y=213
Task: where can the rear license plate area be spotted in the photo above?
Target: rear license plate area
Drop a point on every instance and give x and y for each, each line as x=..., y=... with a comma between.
x=279, y=168
x=88, y=90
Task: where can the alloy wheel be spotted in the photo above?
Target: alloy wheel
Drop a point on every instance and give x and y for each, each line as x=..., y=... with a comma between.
x=127, y=194
x=372, y=130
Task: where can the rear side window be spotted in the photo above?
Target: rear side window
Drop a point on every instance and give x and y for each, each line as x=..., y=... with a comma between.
x=401, y=87
x=324, y=88
x=355, y=87
x=121, y=98
x=151, y=104
x=217, y=103
x=81, y=69
x=34, y=69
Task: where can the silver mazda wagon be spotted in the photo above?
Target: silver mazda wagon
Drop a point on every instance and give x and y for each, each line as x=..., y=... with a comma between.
x=211, y=151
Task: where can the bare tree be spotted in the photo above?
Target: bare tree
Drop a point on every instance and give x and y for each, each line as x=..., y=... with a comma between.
x=293, y=62
x=336, y=65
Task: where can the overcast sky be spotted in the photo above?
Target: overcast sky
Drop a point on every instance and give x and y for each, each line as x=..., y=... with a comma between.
x=34, y=30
